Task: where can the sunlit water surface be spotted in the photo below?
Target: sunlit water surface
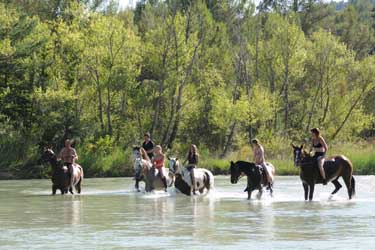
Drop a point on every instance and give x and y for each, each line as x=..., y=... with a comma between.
x=111, y=215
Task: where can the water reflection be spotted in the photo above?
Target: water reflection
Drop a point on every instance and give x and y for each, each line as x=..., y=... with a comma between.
x=72, y=210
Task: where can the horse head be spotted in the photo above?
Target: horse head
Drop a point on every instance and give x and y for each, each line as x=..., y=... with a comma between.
x=299, y=154
x=48, y=155
x=235, y=173
x=138, y=167
x=174, y=165
x=136, y=152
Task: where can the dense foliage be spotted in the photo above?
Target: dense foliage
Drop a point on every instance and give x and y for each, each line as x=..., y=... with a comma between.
x=213, y=73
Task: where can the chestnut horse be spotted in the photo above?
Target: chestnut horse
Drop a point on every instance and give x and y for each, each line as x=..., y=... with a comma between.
x=334, y=167
x=61, y=176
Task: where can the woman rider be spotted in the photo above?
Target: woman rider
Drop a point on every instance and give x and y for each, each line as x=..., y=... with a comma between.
x=145, y=156
x=192, y=159
x=320, y=148
x=259, y=159
x=158, y=163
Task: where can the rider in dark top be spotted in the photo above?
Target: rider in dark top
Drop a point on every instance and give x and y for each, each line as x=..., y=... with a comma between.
x=148, y=145
x=192, y=159
x=320, y=148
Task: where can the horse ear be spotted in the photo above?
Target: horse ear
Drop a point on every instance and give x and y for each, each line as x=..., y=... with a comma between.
x=302, y=145
x=292, y=144
x=231, y=162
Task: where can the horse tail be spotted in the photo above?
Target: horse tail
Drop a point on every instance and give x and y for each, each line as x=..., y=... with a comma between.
x=349, y=168
x=353, y=185
x=210, y=180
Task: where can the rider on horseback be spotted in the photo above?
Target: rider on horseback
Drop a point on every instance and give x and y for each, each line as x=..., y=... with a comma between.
x=259, y=159
x=320, y=148
x=148, y=145
x=158, y=163
x=192, y=159
x=68, y=155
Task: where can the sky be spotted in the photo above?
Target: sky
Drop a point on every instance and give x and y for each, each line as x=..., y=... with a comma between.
x=127, y=3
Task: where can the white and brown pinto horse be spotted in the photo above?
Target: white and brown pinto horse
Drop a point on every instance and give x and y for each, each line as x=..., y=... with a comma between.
x=150, y=175
x=61, y=178
x=204, y=179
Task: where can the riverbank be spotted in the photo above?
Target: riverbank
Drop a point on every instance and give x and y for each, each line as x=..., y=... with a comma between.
x=118, y=162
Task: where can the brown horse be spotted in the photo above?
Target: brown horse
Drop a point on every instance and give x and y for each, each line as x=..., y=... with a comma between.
x=334, y=167
x=61, y=176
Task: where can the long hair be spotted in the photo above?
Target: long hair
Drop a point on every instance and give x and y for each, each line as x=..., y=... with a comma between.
x=144, y=154
x=193, y=151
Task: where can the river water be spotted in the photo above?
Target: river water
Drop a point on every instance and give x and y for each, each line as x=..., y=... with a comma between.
x=111, y=215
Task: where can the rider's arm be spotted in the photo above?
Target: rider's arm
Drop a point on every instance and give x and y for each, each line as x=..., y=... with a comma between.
x=75, y=156
x=324, y=144
x=59, y=156
x=197, y=159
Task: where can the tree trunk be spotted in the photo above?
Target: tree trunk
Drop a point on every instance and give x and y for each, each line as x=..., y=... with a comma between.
x=229, y=140
x=100, y=101
x=109, y=123
x=313, y=106
x=286, y=95
x=180, y=92
x=349, y=113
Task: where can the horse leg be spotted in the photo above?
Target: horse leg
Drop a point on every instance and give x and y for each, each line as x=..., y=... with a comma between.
x=348, y=180
x=71, y=190
x=248, y=194
x=271, y=188
x=311, y=194
x=337, y=186
x=306, y=188
x=259, y=195
x=78, y=185
x=54, y=189
x=137, y=185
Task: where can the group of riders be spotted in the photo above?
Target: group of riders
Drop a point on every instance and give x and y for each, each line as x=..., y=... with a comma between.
x=154, y=156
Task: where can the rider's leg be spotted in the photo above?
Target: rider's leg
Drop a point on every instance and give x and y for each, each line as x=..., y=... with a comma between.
x=321, y=169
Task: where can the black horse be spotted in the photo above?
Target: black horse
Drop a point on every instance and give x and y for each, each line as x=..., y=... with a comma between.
x=335, y=167
x=60, y=173
x=255, y=176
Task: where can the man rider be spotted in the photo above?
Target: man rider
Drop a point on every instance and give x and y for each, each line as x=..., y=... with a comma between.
x=68, y=155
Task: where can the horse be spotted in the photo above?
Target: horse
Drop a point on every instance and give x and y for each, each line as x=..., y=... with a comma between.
x=255, y=176
x=334, y=167
x=204, y=179
x=61, y=176
x=150, y=175
x=138, y=177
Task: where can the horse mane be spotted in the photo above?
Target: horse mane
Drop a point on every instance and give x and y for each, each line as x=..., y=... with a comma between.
x=246, y=163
